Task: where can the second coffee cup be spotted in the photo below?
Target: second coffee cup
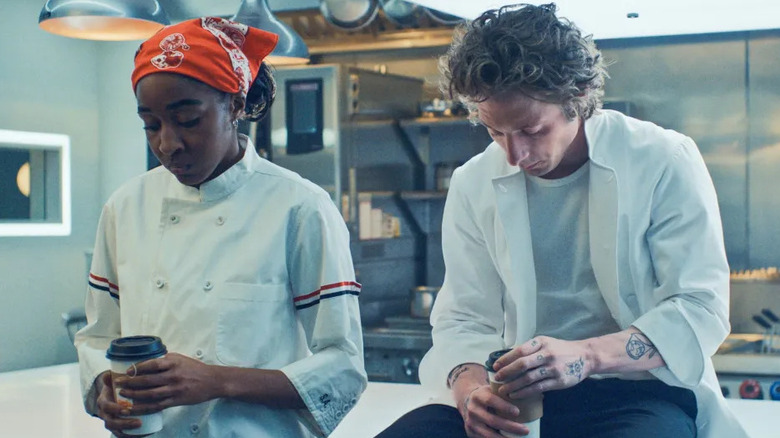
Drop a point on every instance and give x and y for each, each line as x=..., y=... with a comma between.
x=124, y=354
x=531, y=408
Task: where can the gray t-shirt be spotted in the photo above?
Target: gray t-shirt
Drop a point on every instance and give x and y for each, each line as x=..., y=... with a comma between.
x=569, y=303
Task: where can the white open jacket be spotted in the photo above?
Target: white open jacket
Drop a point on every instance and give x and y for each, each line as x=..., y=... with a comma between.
x=656, y=248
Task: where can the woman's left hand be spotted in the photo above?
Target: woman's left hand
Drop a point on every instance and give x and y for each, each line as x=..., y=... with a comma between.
x=173, y=380
x=542, y=364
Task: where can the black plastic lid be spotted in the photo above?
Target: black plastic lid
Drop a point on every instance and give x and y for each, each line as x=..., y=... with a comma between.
x=493, y=357
x=136, y=348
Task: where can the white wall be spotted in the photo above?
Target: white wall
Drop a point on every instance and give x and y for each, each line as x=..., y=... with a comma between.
x=47, y=84
x=80, y=88
x=122, y=139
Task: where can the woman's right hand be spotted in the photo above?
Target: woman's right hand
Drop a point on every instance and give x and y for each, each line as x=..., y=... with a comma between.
x=110, y=412
x=482, y=415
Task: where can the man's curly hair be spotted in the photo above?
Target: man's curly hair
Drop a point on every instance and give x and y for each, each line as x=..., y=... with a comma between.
x=525, y=48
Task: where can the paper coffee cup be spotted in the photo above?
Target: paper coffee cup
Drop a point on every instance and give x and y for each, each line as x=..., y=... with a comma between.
x=531, y=408
x=124, y=354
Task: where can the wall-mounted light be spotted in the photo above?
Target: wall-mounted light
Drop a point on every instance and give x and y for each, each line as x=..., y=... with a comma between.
x=23, y=179
x=45, y=179
x=107, y=20
x=290, y=49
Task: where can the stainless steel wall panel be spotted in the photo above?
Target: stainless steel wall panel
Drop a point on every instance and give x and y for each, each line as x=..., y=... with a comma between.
x=764, y=151
x=696, y=87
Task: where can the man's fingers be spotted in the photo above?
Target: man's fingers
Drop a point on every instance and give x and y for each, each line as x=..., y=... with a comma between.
x=528, y=348
x=501, y=407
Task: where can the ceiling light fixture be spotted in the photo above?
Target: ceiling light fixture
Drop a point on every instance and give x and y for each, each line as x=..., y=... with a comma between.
x=106, y=20
x=290, y=49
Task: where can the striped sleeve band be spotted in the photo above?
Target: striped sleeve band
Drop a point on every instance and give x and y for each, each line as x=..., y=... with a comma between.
x=102, y=284
x=327, y=291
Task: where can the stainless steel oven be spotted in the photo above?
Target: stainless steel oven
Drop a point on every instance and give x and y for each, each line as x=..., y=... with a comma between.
x=315, y=106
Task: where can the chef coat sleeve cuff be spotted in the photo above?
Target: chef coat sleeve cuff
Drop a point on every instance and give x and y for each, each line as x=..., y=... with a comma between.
x=444, y=356
x=92, y=363
x=330, y=384
x=681, y=351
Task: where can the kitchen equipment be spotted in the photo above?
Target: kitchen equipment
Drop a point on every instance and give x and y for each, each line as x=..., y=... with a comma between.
x=746, y=368
x=349, y=14
x=766, y=342
x=422, y=299
x=392, y=353
x=443, y=174
x=773, y=331
x=401, y=12
x=337, y=126
x=312, y=115
x=749, y=294
x=74, y=320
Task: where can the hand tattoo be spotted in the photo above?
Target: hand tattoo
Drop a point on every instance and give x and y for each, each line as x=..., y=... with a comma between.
x=575, y=368
x=638, y=345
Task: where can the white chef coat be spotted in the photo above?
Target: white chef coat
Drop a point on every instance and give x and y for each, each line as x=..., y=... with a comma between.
x=656, y=248
x=253, y=269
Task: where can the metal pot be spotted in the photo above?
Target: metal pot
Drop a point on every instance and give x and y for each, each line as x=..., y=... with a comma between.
x=422, y=300
x=401, y=12
x=349, y=14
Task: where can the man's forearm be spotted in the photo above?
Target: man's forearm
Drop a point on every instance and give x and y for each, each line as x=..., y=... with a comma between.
x=622, y=352
x=464, y=379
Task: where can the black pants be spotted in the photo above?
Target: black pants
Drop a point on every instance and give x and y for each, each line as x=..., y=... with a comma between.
x=609, y=408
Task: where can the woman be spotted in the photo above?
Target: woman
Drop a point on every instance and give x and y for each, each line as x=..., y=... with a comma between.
x=242, y=268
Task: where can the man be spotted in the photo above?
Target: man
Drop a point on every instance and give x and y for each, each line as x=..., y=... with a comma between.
x=587, y=241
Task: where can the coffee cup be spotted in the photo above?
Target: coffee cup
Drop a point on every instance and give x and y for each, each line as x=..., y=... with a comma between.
x=124, y=354
x=531, y=408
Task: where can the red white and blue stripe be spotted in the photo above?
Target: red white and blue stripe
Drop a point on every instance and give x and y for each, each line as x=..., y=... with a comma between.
x=103, y=284
x=328, y=291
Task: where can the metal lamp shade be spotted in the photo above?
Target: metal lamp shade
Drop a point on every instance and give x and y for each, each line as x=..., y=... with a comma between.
x=290, y=49
x=107, y=20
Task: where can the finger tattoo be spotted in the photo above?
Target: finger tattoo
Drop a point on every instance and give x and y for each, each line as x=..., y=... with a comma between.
x=534, y=343
x=542, y=371
x=540, y=358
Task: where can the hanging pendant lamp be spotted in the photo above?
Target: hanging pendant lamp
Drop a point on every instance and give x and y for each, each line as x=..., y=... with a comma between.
x=290, y=49
x=107, y=20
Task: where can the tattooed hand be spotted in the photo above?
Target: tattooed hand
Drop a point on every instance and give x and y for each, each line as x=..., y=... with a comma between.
x=483, y=412
x=542, y=364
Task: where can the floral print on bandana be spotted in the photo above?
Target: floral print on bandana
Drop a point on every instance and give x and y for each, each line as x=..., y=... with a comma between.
x=231, y=37
x=171, y=57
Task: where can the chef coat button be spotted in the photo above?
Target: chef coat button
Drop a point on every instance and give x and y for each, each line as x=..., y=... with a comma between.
x=207, y=286
x=174, y=219
x=220, y=220
x=199, y=353
x=159, y=283
x=502, y=188
x=194, y=429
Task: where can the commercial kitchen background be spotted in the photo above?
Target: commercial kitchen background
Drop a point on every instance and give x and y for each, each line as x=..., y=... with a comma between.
x=721, y=89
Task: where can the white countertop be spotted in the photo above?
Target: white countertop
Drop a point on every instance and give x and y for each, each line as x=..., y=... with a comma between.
x=46, y=403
